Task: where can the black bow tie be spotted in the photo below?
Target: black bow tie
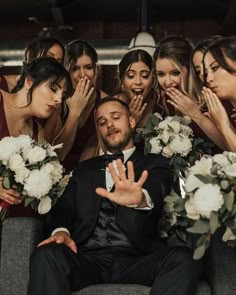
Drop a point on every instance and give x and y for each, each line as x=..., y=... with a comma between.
x=108, y=158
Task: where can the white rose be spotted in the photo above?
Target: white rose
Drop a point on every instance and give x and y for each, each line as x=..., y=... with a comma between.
x=163, y=125
x=221, y=159
x=228, y=235
x=36, y=154
x=208, y=198
x=181, y=145
x=167, y=151
x=38, y=184
x=202, y=167
x=21, y=175
x=175, y=118
x=57, y=172
x=45, y=205
x=24, y=141
x=186, y=120
x=8, y=147
x=192, y=182
x=186, y=130
x=165, y=136
x=64, y=182
x=16, y=162
x=156, y=146
x=175, y=126
x=231, y=156
x=47, y=168
x=192, y=213
x=231, y=170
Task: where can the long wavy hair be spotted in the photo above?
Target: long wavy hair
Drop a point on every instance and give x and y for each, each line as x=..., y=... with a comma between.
x=44, y=69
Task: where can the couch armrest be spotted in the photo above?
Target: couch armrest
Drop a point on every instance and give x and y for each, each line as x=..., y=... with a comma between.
x=221, y=270
x=19, y=237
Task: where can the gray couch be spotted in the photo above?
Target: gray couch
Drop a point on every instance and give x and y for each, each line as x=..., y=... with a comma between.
x=20, y=235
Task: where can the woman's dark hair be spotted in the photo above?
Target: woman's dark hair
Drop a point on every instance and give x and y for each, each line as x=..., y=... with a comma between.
x=203, y=45
x=131, y=57
x=177, y=48
x=40, y=46
x=41, y=70
x=76, y=49
x=221, y=49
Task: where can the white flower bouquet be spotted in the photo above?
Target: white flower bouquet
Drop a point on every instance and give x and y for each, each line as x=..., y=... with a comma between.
x=33, y=169
x=173, y=138
x=209, y=202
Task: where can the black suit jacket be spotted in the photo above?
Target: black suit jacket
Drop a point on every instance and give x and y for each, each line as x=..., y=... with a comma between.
x=78, y=208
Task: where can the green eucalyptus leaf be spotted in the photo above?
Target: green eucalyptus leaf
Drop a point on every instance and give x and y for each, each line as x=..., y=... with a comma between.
x=148, y=147
x=203, y=178
x=231, y=223
x=179, y=205
x=233, y=211
x=6, y=182
x=182, y=234
x=171, y=198
x=229, y=200
x=199, y=252
x=202, y=240
x=149, y=125
x=28, y=200
x=154, y=120
x=199, y=227
x=214, y=222
x=233, y=231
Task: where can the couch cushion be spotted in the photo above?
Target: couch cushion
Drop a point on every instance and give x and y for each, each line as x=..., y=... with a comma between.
x=114, y=289
x=119, y=289
x=19, y=237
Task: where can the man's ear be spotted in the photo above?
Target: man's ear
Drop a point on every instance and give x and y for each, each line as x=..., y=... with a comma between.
x=132, y=122
x=28, y=83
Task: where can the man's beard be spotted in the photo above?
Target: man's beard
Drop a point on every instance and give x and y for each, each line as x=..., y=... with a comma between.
x=120, y=145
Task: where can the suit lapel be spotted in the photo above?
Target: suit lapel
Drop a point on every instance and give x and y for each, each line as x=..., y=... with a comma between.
x=137, y=159
x=98, y=179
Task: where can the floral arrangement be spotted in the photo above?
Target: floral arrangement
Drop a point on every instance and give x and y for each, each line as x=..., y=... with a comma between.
x=32, y=168
x=209, y=203
x=173, y=138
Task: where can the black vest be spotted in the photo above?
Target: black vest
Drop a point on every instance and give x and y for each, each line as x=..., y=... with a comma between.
x=106, y=232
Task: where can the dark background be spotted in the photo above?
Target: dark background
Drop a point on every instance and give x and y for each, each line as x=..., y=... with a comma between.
x=108, y=24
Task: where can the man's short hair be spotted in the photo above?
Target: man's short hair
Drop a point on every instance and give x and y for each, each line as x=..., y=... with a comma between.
x=112, y=99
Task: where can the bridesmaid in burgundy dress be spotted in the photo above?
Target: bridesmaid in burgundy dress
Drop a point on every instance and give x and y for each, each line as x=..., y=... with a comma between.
x=79, y=131
x=220, y=69
x=42, y=87
x=178, y=88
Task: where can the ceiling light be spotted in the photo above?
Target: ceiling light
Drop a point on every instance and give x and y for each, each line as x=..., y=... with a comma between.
x=143, y=39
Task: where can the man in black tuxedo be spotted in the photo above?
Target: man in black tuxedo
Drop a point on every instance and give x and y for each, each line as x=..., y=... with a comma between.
x=105, y=226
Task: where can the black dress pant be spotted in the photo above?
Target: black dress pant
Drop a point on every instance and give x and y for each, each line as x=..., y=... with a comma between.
x=56, y=270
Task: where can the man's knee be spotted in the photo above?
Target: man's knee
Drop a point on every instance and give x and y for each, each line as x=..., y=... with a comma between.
x=46, y=253
x=183, y=257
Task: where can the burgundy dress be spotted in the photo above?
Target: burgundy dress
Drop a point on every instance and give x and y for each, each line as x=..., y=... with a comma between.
x=83, y=135
x=16, y=210
x=3, y=84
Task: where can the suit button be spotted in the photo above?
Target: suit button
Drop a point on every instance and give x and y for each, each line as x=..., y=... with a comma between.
x=109, y=239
